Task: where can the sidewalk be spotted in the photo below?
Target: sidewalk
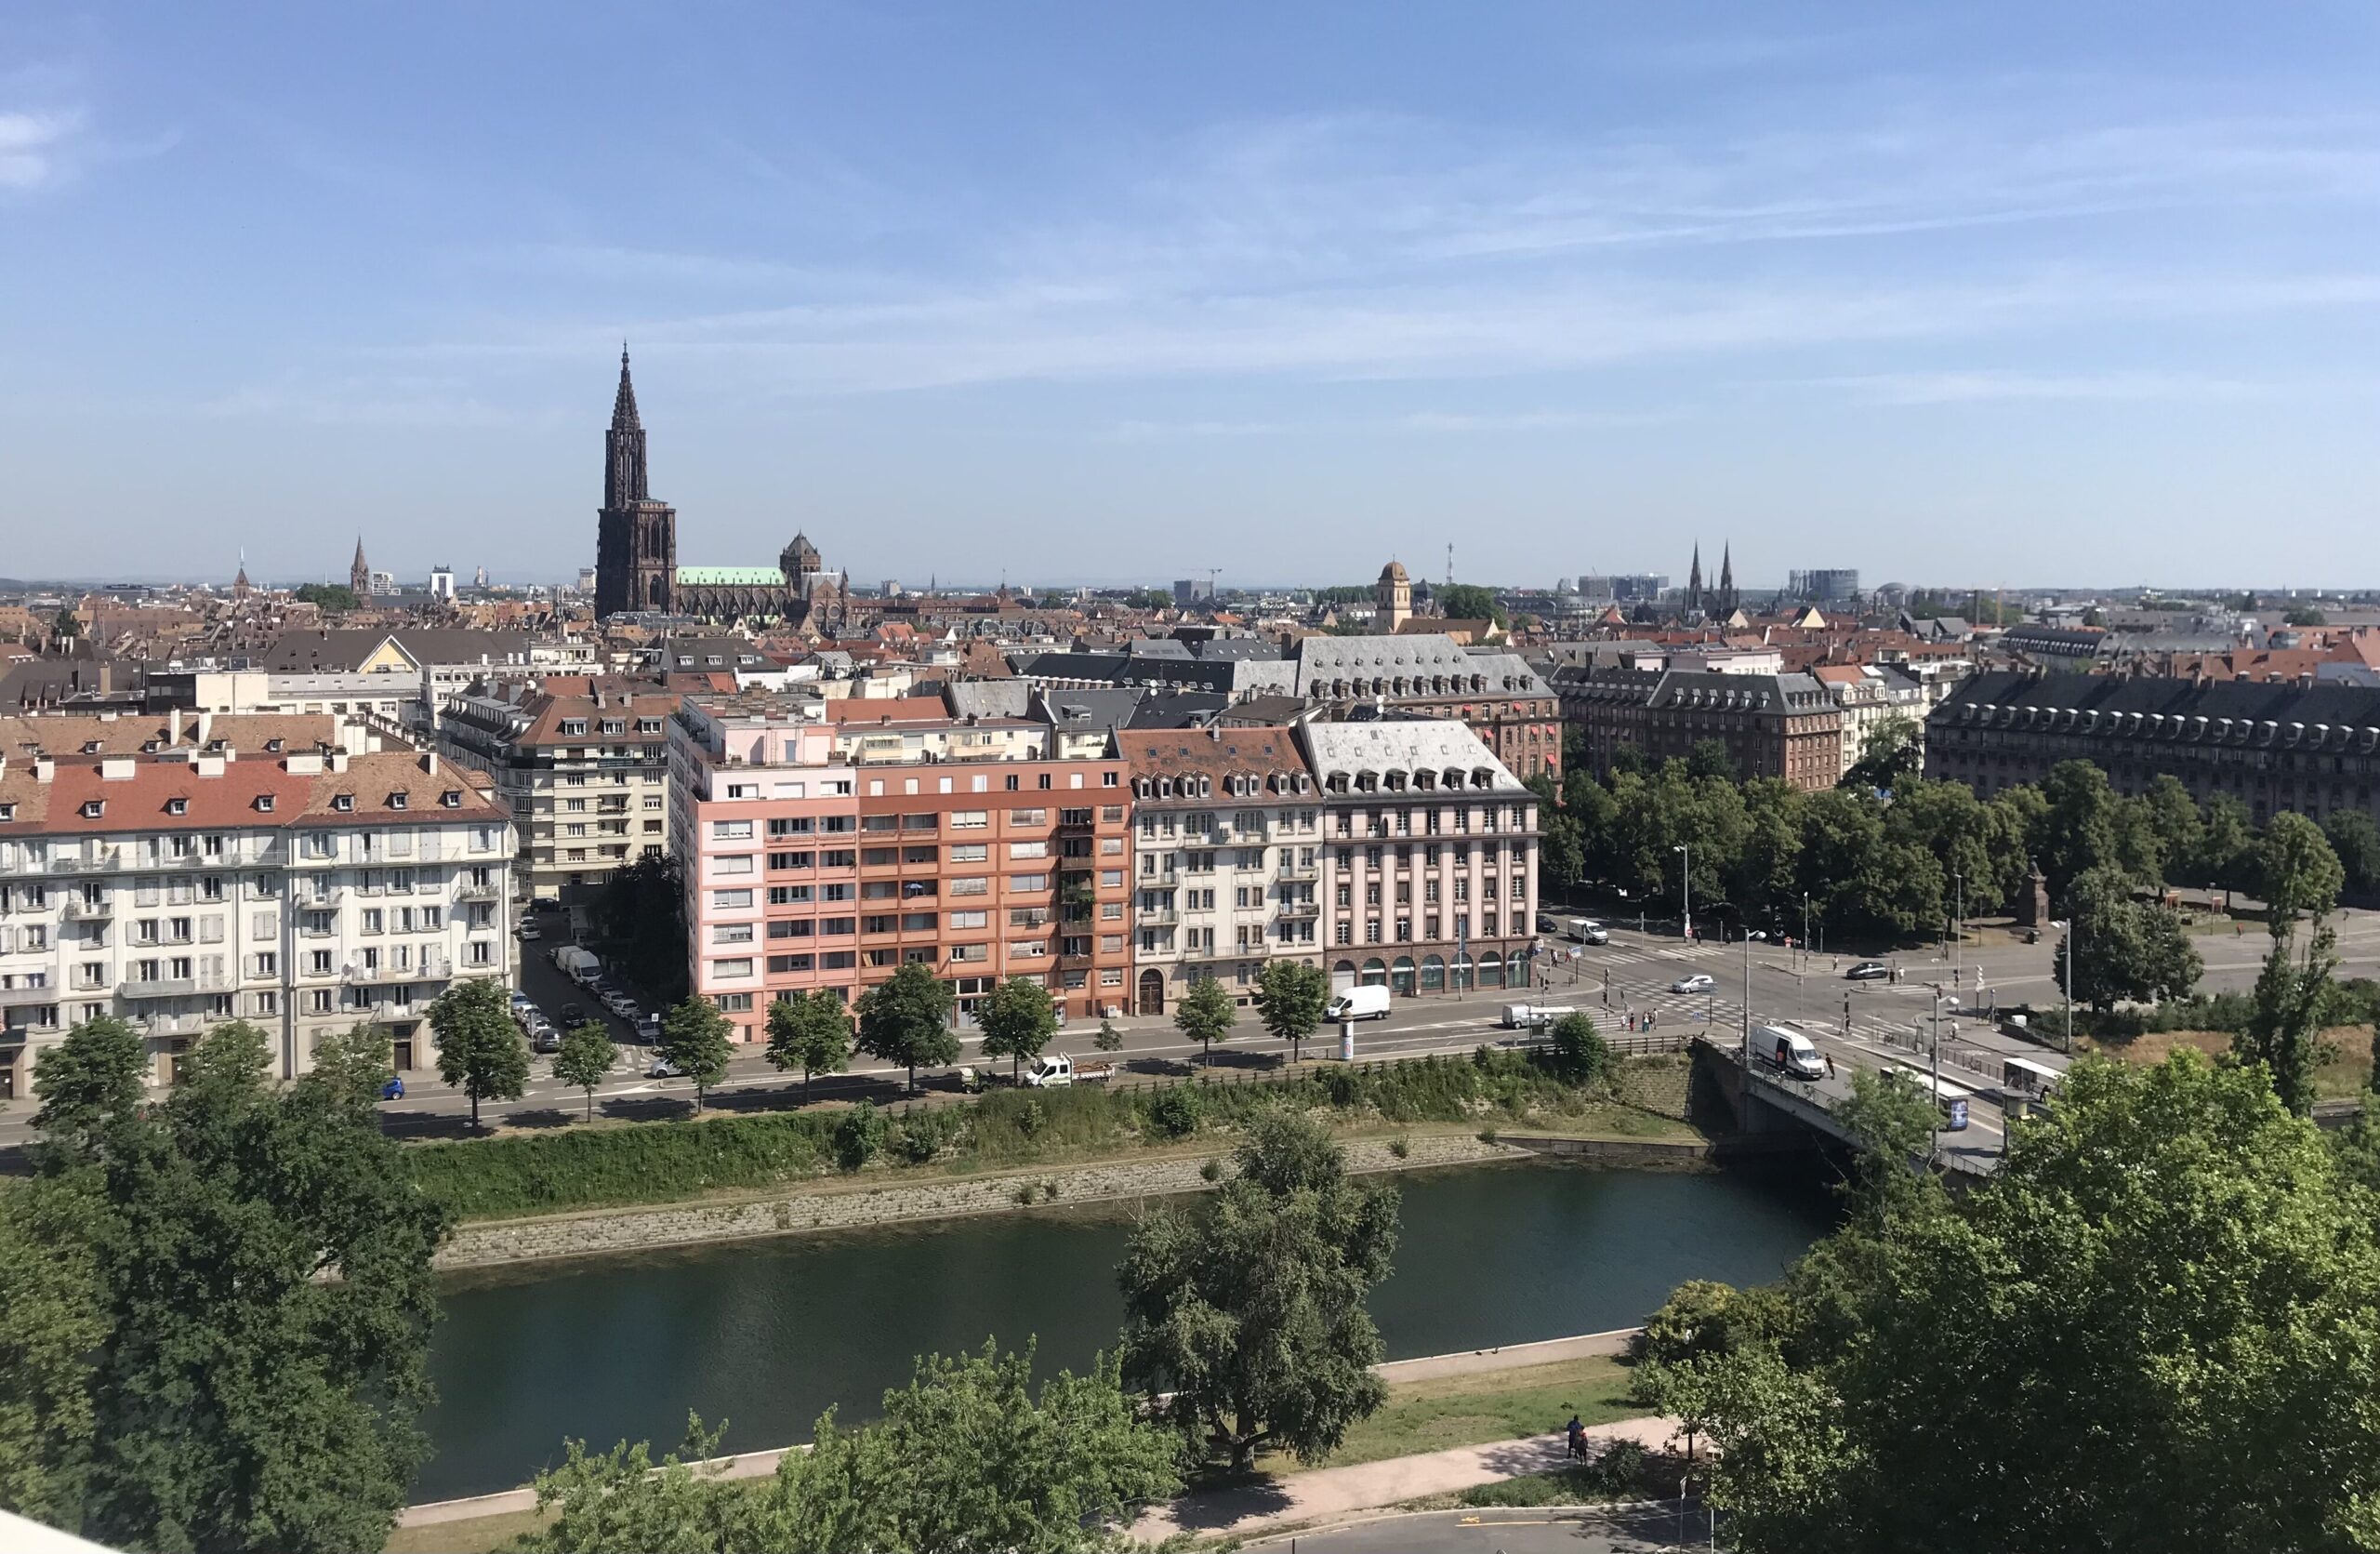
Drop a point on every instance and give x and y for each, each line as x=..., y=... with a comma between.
x=1329, y=1493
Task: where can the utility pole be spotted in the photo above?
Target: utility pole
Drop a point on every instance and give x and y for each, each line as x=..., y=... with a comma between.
x=1959, y=925
x=1933, y=1146
x=1747, y=1004
x=1684, y=890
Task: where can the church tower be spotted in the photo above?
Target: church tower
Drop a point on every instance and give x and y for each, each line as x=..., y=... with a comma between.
x=636, y=538
x=1392, y=596
x=359, y=574
x=1726, y=604
x=1694, y=581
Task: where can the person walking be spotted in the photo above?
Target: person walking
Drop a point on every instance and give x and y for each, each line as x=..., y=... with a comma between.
x=1830, y=1065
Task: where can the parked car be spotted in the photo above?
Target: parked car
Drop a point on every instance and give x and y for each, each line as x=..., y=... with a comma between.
x=648, y=1029
x=395, y=1089
x=521, y=1002
x=663, y=1068
x=545, y=903
x=1869, y=971
x=621, y=1004
x=1368, y=1002
x=574, y=1014
x=546, y=1039
x=528, y=932
x=1699, y=983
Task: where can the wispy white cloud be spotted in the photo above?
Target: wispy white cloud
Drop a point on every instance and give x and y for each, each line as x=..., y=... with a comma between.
x=37, y=146
x=1961, y=387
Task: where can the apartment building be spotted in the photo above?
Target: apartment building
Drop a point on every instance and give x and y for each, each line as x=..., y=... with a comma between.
x=1429, y=858
x=583, y=765
x=302, y=890
x=807, y=868
x=1423, y=675
x=1226, y=844
x=1870, y=697
x=1773, y=726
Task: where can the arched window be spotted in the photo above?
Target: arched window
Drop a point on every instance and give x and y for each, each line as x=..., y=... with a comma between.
x=1400, y=976
x=1375, y=971
x=1433, y=974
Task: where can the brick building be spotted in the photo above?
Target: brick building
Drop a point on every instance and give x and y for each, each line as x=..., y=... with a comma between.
x=1773, y=725
x=1497, y=696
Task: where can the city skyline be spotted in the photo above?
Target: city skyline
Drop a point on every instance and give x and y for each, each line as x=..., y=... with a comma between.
x=979, y=296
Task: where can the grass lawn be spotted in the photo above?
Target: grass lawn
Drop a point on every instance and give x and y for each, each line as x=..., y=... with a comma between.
x=1485, y=1406
x=477, y=1535
x=2345, y=1076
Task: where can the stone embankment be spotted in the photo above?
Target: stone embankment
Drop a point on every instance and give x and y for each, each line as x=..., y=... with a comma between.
x=838, y=1207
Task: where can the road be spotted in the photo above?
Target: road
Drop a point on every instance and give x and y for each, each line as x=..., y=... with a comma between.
x=1623, y=1530
x=1634, y=972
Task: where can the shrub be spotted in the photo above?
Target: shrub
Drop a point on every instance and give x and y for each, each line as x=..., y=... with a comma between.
x=1176, y=1110
x=1400, y=1146
x=1211, y=1171
x=859, y=1135
x=1488, y=1136
x=912, y=1145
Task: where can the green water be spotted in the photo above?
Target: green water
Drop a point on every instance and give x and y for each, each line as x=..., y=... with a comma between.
x=768, y=1334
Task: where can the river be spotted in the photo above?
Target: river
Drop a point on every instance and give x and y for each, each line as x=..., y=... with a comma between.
x=769, y=1334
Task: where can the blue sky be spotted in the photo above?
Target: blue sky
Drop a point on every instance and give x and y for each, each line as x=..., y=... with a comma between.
x=2029, y=293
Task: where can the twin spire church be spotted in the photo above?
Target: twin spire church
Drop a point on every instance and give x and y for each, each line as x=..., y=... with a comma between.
x=636, y=551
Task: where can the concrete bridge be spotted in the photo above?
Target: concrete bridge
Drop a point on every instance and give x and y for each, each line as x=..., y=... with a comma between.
x=1759, y=1099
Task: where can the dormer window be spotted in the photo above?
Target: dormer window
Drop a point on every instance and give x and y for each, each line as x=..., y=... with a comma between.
x=94, y=808
x=264, y=804
x=90, y=746
x=149, y=747
x=215, y=747
x=574, y=725
x=8, y=811
x=273, y=745
x=177, y=807
x=451, y=799
x=397, y=800
x=342, y=802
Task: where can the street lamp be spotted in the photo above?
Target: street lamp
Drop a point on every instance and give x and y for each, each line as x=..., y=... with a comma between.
x=2066, y=926
x=1805, y=930
x=1684, y=890
x=1959, y=925
x=1936, y=1098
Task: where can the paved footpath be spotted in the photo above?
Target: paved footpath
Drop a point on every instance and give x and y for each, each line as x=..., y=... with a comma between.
x=1328, y=1494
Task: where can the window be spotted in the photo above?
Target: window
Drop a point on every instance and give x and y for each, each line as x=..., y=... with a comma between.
x=731, y=831
x=792, y=860
x=1029, y=849
x=343, y=802
x=730, y=900
x=738, y=967
x=733, y=1003
x=792, y=928
x=836, y=926
x=969, y=820
x=969, y=920
x=731, y=933
x=791, y=962
x=971, y=852
x=839, y=858
x=799, y=825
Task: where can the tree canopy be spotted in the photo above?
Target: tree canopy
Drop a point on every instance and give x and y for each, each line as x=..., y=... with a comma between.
x=1470, y=601
x=480, y=1050
x=1290, y=996
x=1017, y=1020
x=696, y=1041
x=1206, y=1014
x=811, y=1031
x=1248, y=1307
x=906, y=1019
x=2122, y=950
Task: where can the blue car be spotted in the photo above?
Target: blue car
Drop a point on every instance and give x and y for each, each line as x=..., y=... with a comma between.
x=394, y=1090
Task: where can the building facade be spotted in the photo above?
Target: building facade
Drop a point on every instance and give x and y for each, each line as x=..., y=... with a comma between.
x=1497, y=696
x=805, y=868
x=2310, y=748
x=303, y=892
x=1227, y=857
x=1773, y=726
x=1429, y=858
x=584, y=773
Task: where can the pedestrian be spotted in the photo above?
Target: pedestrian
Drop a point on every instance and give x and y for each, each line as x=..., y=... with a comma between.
x=1830, y=1065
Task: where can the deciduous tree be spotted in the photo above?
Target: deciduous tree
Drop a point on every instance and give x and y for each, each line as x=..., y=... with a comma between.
x=1017, y=1020
x=811, y=1031
x=2123, y=949
x=1249, y=1307
x=481, y=1051
x=2298, y=874
x=89, y=1085
x=1206, y=1014
x=695, y=1039
x=1290, y=996
x=906, y=1019
x=587, y=1052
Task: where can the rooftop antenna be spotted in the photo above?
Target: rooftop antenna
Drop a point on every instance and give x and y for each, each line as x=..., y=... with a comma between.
x=1450, y=567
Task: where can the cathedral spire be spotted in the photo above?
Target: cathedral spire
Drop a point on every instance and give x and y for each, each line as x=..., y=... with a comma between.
x=1694, y=579
x=624, y=403
x=359, y=574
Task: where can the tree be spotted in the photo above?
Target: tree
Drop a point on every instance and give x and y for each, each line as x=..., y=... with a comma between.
x=1249, y=1307
x=89, y=1085
x=907, y=1019
x=1892, y=753
x=481, y=1051
x=1017, y=1020
x=2124, y=951
x=2172, y=817
x=586, y=1054
x=1561, y=851
x=811, y=1031
x=968, y=1457
x=256, y=1264
x=2226, y=846
x=1290, y=996
x=2355, y=841
x=2167, y=1260
x=1109, y=1039
x=1470, y=601
x=2078, y=831
x=2282, y=1033
x=2306, y=614
x=353, y=1065
x=1206, y=1014
x=332, y=598
x=696, y=1041
x=1578, y=1051
x=644, y=911
x=1709, y=758
x=2298, y=874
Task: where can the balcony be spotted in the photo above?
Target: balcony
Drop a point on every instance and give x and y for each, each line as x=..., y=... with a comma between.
x=1158, y=877
x=489, y=891
x=1290, y=870
x=172, y=1025
x=18, y=998
x=173, y=987
x=431, y=969
x=1298, y=909
x=105, y=860
x=77, y=909
x=1152, y=917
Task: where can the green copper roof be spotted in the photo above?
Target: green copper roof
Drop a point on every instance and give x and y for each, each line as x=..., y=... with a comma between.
x=730, y=576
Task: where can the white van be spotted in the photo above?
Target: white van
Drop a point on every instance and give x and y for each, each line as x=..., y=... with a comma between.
x=1787, y=1051
x=1369, y=1002
x=1534, y=1016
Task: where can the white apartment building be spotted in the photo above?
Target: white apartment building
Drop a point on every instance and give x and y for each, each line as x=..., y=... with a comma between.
x=1227, y=840
x=302, y=891
x=1871, y=696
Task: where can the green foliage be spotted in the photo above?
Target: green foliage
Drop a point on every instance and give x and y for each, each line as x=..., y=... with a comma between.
x=2305, y=615
x=1578, y=1052
x=2226, y=855
x=1561, y=848
x=643, y=912
x=2123, y=949
x=1621, y=1471
x=2355, y=841
x=1109, y=1039
x=1176, y=1110
x=587, y=1056
x=906, y=1019
x=859, y=1135
x=695, y=1039
x=1249, y=1307
x=2285, y=1016
x=968, y=1457
x=333, y=598
x=178, y=1373
x=90, y=1085
x=1470, y=601
x=481, y=1051
x=1206, y=1014
x=2151, y=1328
x=1290, y=996
x=1708, y=759
x=1705, y=1316
x=2077, y=830
x=1892, y=754
x=2298, y=874
x=811, y=1031
x=1017, y=1019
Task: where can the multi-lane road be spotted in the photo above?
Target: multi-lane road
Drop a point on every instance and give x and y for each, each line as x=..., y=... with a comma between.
x=1630, y=978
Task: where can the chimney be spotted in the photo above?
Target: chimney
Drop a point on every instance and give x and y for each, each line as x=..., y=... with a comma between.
x=430, y=762
x=44, y=769
x=205, y=722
